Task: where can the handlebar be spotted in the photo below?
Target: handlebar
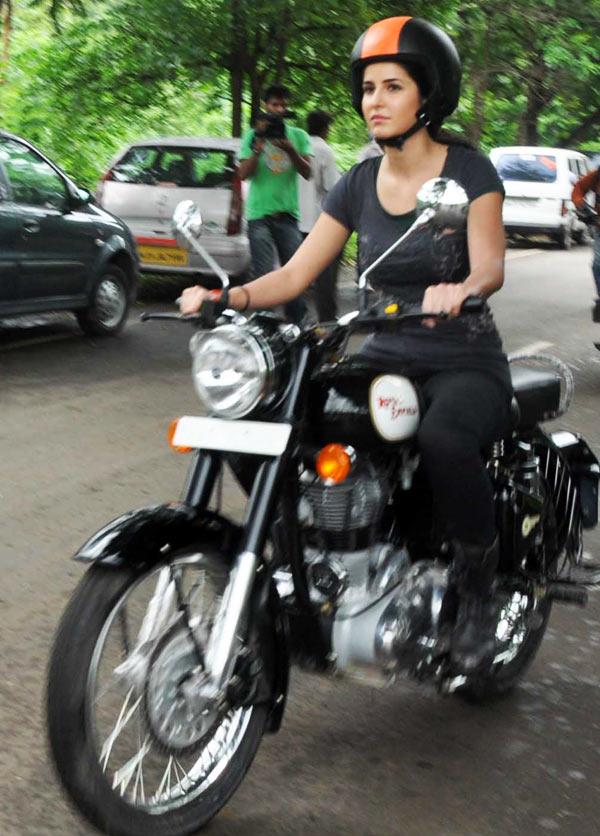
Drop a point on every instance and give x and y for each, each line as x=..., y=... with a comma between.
x=385, y=314
x=392, y=313
x=207, y=317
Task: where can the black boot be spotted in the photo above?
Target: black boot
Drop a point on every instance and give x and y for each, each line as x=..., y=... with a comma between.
x=474, y=635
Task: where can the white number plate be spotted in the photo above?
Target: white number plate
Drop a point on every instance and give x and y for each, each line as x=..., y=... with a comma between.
x=257, y=437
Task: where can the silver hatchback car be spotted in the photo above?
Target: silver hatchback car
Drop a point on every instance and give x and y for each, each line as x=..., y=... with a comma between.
x=147, y=180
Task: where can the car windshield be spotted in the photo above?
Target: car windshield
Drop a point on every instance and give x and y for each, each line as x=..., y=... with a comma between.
x=203, y=168
x=531, y=168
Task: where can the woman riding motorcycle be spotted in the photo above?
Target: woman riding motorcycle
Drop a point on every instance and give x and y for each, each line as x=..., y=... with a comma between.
x=405, y=79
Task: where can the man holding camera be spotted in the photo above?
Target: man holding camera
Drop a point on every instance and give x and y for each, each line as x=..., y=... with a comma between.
x=272, y=154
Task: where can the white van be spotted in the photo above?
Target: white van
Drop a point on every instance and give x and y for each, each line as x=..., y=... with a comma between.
x=538, y=183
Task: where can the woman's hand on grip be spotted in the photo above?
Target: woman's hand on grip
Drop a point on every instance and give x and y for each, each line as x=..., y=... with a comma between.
x=192, y=299
x=443, y=298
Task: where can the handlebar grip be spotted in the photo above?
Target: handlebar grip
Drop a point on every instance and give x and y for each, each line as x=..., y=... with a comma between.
x=473, y=305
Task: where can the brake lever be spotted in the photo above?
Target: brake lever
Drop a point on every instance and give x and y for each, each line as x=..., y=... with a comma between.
x=194, y=319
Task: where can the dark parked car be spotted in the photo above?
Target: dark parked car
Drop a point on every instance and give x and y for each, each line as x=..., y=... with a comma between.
x=59, y=250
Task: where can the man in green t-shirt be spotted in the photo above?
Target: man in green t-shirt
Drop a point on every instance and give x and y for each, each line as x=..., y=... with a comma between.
x=272, y=165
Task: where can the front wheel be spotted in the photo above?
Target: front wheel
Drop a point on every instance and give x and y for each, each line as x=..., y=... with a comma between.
x=109, y=305
x=522, y=621
x=138, y=753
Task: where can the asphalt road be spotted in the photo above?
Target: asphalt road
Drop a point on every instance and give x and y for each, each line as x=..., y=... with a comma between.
x=82, y=439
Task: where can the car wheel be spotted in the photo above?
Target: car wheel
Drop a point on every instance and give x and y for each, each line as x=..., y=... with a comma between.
x=109, y=305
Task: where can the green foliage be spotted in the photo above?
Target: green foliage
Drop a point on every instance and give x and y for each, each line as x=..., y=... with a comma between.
x=129, y=68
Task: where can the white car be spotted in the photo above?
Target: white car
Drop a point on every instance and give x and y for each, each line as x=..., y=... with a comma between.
x=538, y=182
x=145, y=182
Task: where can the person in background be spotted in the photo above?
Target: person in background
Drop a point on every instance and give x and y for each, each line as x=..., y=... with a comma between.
x=273, y=153
x=367, y=152
x=371, y=149
x=591, y=183
x=311, y=192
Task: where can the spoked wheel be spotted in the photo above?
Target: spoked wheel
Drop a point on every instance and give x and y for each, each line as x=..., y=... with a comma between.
x=522, y=621
x=136, y=746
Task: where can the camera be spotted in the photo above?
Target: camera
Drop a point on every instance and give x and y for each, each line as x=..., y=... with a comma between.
x=270, y=125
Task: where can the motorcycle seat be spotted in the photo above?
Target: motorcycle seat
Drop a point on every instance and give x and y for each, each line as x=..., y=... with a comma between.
x=536, y=394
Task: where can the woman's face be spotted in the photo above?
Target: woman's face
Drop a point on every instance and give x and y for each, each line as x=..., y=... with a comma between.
x=390, y=100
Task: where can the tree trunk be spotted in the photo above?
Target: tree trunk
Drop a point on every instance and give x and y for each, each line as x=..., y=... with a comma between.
x=236, y=85
x=255, y=94
x=480, y=76
x=536, y=101
x=6, y=6
x=237, y=59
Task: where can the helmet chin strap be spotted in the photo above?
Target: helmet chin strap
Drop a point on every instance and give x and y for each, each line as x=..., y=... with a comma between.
x=398, y=141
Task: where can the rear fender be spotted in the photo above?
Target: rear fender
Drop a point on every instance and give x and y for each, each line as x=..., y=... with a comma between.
x=144, y=537
x=585, y=471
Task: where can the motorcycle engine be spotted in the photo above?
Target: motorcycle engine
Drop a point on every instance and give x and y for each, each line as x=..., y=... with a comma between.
x=387, y=610
x=345, y=516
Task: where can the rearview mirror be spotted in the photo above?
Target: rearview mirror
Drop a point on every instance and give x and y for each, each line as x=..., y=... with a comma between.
x=187, y=227
x=444, y=201
x=187, y=219
x=441, y=202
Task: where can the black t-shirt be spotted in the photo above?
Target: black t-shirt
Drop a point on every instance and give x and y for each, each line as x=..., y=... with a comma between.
x=427, y=257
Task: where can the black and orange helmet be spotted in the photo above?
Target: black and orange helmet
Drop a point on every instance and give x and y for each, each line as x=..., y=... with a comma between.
x=413, y=41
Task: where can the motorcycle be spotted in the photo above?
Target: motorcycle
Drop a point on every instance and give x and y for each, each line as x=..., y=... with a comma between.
x=172, y=658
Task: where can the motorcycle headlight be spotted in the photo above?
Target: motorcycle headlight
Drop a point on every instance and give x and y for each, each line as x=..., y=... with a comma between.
x=232, y=369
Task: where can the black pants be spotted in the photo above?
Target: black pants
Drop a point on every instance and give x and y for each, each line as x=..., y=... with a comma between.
x=276, y=234
x=465, y=412
x=324, y=290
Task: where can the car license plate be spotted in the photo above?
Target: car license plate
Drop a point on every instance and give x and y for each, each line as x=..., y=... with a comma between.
x=167, y=256
x=522, y=202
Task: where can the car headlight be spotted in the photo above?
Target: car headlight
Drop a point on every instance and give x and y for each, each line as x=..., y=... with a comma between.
x=233, y=370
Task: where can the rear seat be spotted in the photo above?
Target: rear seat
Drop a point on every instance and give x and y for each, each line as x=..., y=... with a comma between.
x=537, y=393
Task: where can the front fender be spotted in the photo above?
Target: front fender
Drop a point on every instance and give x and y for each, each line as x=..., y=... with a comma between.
x=116, y=248
x=144, y=537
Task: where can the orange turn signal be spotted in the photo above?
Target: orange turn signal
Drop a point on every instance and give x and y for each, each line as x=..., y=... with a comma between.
x=171, y=435
x=334, y=462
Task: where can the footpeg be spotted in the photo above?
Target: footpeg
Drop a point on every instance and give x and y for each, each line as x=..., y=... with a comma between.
x=587, y=574
x=567, y=593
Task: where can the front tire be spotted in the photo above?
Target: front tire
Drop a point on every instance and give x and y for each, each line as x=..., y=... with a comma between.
x=109, y=305
x=119, y=798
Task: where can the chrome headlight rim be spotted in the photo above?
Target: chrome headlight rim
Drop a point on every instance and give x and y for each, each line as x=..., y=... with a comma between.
x=252, y=339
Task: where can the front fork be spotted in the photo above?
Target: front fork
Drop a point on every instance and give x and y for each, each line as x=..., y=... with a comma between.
x=221, y=650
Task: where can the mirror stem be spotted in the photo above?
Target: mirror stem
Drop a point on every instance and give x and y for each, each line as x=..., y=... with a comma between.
x=206, y=256
x=423, y=219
